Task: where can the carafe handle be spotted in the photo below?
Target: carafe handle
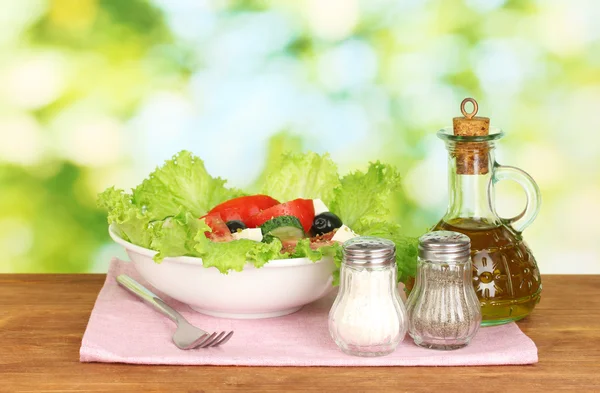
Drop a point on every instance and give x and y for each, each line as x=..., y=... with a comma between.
x=532, y=191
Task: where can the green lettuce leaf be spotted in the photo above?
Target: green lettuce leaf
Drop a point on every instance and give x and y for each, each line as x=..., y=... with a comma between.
x=366, y=196
x=234, y=255
x=303, y=250
x=130, y=221
x=406, y=246
x=362, y=202
x=260, y=253
x=175, y=236
x=308, y=176
x=181, y=184
x=184, y=234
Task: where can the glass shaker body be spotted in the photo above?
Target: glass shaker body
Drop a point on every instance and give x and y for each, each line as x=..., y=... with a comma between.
x=443, y=309
x=368, y=317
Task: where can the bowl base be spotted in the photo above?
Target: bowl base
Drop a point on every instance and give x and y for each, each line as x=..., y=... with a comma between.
x=230, y=315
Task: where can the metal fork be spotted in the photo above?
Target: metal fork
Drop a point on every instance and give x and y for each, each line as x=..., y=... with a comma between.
x=187, y=336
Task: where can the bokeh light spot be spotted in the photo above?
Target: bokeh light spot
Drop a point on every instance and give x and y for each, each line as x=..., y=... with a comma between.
x=35, y=80
x=333, y=19
x=21, y=139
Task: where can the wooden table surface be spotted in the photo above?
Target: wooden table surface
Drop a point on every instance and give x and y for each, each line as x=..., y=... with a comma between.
x=43, y=317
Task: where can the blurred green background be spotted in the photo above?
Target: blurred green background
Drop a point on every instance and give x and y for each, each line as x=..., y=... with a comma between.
x=98, y=92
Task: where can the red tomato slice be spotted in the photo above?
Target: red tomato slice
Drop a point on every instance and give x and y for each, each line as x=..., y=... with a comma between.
x=220, y=231
x=303, y=209
x=242, y=208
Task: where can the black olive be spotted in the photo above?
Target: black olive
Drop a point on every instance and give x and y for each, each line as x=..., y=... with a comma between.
x=235, y=225
x=325, y=223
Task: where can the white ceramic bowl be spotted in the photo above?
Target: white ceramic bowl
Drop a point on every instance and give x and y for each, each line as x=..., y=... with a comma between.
x=279, y=288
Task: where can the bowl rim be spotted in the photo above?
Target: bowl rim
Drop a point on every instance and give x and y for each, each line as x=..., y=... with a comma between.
x=275, y=263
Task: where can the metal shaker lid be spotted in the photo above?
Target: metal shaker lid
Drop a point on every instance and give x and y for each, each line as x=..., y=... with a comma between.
x=369, y=251
x=444, y=246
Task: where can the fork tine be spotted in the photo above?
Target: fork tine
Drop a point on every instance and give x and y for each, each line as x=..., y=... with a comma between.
x=201, y=340
x=208, y=341
x=224, y=339
x=215, y=340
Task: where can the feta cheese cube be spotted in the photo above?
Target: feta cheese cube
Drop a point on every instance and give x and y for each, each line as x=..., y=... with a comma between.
x=343, y=234
x=319, y=206
x=248, y=233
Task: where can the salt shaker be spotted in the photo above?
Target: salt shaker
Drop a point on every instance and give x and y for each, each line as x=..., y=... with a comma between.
x=443, y=309
x=368, y=317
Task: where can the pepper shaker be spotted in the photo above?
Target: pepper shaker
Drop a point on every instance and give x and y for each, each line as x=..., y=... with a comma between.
x=368, y=317
x=443, y=309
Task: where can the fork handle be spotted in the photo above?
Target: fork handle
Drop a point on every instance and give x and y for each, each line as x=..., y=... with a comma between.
x=147, y=296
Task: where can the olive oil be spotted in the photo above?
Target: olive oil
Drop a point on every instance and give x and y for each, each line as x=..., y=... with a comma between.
x=505, y=274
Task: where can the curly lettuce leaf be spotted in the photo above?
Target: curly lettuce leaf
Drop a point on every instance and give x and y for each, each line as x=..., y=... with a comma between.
x=184, y=234
x=234, y=255
x=175, y=236
x=130, y=221
x=406, y=246
x=304, y=250
x=362, y=202
x=261, y=253
x=366, y=196
x=181, y=184
x=308, y=176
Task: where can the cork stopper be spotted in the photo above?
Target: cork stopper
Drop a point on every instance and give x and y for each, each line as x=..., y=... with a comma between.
x=471, y=157
x=469, y=124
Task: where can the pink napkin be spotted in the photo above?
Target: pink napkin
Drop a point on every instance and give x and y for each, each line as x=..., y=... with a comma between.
x=122, y=329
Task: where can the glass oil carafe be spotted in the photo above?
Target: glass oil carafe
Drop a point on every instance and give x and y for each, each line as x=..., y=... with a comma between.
x=505, y=274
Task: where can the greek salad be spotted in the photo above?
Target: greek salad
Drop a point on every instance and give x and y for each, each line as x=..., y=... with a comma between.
x=262, y=219
x=302, y=209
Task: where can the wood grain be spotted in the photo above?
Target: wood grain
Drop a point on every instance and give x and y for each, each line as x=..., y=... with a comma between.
x=43, y=317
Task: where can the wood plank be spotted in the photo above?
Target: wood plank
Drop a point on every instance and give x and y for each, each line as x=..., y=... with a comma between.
x=43, y=317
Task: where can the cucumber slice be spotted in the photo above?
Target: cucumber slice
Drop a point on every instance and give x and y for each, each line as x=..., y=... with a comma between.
x=268, y=239
x=285, y=228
